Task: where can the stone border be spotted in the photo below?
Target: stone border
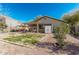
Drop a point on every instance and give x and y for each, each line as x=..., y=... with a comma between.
x=18, y=44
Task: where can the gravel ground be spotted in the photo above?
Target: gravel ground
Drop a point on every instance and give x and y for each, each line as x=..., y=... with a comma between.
x=45, y=47
x=11, y=49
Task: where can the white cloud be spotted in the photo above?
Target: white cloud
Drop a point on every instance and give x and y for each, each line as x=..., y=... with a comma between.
x=71, y=11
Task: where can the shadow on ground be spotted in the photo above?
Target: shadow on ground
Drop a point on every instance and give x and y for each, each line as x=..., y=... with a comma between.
x=70, y=49
x=77, y=37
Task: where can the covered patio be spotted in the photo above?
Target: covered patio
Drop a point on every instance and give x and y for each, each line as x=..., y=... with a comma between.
x=38, y=27
x=43, y=24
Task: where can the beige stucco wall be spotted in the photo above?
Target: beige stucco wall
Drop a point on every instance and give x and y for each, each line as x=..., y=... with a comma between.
x=10, y=22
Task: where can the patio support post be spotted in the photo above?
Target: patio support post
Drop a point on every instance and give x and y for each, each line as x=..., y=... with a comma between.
x=37, y=28
x=52, y=28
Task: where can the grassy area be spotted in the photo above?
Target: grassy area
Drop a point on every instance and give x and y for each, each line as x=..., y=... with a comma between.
x=27, y=38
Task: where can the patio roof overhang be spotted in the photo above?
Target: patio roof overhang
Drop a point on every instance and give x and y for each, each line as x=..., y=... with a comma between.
x=38, y=22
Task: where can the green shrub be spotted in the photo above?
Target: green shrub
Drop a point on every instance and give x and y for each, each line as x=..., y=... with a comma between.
x=28, y=38
x=60, y=34
x=13, y=39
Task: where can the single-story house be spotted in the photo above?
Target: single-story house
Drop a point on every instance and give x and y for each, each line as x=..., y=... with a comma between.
x=44, y=24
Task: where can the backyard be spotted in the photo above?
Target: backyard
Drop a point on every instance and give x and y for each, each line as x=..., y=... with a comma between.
x=36, y=44
x=63, y=40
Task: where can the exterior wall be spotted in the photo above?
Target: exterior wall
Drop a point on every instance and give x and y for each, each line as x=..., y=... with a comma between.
x=11, y=23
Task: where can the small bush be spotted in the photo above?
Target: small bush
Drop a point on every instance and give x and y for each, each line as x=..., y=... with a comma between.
x=60, y=34
x=28, y=38
x=13, y=39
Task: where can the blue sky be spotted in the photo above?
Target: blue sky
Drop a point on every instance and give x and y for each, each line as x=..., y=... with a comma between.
x=25, y=12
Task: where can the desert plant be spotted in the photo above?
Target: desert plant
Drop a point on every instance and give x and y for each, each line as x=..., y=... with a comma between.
x=60, y=34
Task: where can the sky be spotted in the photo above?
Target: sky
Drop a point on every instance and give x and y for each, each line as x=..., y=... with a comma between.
x=25, y=12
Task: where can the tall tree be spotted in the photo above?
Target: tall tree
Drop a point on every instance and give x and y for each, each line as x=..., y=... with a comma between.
x=72, y=20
